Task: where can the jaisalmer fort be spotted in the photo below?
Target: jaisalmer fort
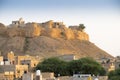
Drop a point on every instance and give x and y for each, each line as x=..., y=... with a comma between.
x=25, y=46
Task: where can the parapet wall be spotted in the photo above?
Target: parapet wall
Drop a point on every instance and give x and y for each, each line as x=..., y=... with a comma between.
x=49, y=28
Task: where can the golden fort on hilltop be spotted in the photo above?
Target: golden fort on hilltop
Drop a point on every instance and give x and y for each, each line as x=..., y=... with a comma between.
x=49, y=28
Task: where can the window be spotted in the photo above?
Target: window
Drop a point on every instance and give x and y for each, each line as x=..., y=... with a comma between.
x=25, y=72
x=78, y=76
x=18, y=71
x=28, y=64
x=34, y=64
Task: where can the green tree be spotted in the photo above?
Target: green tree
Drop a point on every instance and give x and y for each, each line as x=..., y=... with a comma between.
x=75, y=66
x=114, y=75
x=54, y=65
x=81, y=27
x=83, y=65
x=86, y=66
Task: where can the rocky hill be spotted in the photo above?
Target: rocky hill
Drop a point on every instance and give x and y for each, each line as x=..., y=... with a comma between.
x=47, y=40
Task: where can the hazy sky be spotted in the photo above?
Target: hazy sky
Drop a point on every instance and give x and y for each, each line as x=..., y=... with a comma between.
x=101, y=17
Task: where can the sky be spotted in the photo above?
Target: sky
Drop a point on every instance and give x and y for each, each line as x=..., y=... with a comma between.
x=101, y=17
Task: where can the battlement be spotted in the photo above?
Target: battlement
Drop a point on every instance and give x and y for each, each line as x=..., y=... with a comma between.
x=49, y=28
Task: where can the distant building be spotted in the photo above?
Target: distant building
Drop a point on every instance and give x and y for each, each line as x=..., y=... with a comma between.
x=52, y=24
x=111, y=67
x=19, y=22
x=107, y=63
x=15, y=66
x=14, y=70
x=31, y=61
x=7, y=76
x=117, y=62
x=68, y=57
x=11, y=57
x=1, y=60
x=48, y=75
x=82, y=77
x=27, y=76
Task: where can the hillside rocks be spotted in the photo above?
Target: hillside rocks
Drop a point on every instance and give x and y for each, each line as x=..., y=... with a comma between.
x=12, y=32
x=2, y=29
x=15, y=44
x=48, y=39
x=2, y=25
x=50, y=47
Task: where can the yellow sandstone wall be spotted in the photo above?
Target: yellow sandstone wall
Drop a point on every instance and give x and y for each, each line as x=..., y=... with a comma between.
x=50, y=29
x=69, y=34
x=32, y=30
x=55, y=33
x=82, y=35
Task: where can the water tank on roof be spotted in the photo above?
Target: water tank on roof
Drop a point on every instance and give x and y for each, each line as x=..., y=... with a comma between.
x=38, y=73
x=1, y=63
x=7, y=62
